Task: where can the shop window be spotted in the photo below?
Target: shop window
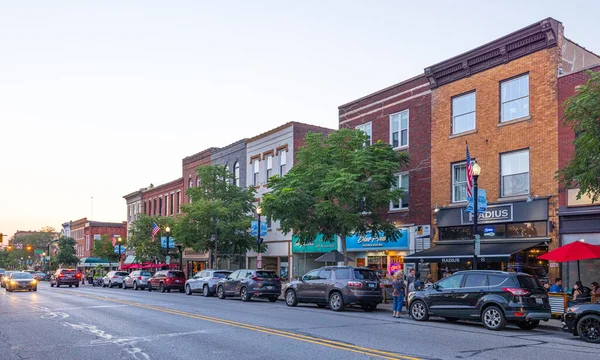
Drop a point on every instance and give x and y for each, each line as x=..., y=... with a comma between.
x=515, y=98
x=452, y=282
x=366, y=128
x=514, y=170
x=463, y=113
x=491, y=231
x=456, y=233
x=527, y=230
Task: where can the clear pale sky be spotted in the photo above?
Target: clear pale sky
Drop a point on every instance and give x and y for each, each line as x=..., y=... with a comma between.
x=100, y=98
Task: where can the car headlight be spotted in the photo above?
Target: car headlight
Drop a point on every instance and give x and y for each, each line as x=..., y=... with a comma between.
x=13, y=283
x=572, y=309
x=34, y=281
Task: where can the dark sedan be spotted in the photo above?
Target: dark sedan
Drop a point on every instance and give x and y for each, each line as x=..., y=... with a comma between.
x=21, y=281
x=583, y=320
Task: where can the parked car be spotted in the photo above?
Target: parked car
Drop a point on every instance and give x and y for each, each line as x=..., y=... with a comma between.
x=248, y=284
x=167, y=280
x=39, y=276
x=65, y=277
x=114, y=278
x=137, y=280
x=583, y=320
x=493, y=297
x=20, y=280
x=205, y=282
x=336, y=286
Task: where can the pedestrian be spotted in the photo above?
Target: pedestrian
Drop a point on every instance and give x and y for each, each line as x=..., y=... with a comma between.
x=595, y=288
x=428, y=282
x=557, y=287
x=409, y=280
x=399, y=290
x=418, y=284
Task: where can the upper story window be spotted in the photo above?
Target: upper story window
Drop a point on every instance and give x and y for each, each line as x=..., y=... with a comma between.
x=366, y=128
x=463, y=113
x=459, y=182
x=402, y=203
x=282, y=162
x=197, y=181
x=236, y=174
x=514, y=98
x=399, y=133
x=256, y=172
x=269, y=166
x=514, y=173
x=191, y=183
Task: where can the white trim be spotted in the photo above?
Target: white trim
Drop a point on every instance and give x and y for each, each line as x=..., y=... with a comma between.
x=385, y=99
x=401, y=208
x=464, y=163
x=474, y=94
x=370, y=133
x=391, y=126
x=384, y=107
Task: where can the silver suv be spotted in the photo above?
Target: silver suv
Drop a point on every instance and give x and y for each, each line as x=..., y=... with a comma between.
x=137, y=280
x=205, y=282
x=114, y=278
x=336, y=286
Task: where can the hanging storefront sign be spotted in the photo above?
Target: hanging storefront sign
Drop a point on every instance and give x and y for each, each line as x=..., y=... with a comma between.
x=493, y=214
x=394, y=267
x=317, y=246
x=369, y=242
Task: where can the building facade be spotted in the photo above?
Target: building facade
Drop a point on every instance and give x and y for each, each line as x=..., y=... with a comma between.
x=268, y=154
x=399, y=115
x=85, y=232
x=164, y=199
x=134, y=207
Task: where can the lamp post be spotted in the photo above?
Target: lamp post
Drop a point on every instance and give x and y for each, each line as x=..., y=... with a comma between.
x=44, y=260
x=476, y=172
x=119, y=245
x=258, y=240
x=168, y=232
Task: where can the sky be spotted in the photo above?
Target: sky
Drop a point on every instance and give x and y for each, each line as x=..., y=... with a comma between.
x=101, y=98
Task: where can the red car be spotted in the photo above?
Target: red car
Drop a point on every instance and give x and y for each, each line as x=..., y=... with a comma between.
x=167, y=280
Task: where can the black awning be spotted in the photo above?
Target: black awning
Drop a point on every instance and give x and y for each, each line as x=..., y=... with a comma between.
x=454, y=253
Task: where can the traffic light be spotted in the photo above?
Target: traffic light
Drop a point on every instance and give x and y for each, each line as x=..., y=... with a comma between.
x=29, y=248
x=10, y=247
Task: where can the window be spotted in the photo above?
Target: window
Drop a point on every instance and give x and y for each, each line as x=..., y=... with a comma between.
x=236, y=174
x=325, y=274
x=399, y=133
x=256, y=172
x=527, y=230
x=514, y=172
x=514, y=98
x=463, y=113
x=197, y=181
x=496, y=280
x=312, y=275
x=342, y=274
x=475, y=280
x=179, y=202
x=167, y=205
x=269, y=223
x=269, y=166
x=452, y=282
x=282, y=162
x=171, y=203
x=191, y=183
x=87, y=242
x=364, y=274
x=402, y=203
x=459, y=182
x=366, y=128
x=228, y=172
x=160, y=203
x=154, y=206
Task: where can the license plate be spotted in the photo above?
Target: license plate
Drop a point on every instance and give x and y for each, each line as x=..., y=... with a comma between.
x=269, y=288
x=176, y=280
x=539, y=301
x=371, y=285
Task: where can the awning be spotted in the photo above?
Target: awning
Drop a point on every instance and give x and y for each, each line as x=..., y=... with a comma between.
x=93, y=262
x=455, y=253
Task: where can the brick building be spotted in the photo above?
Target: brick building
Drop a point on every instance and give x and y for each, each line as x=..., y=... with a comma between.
x=399, y=115
x=85, y=232
x=579, y=218
x=189, y=166
x=134, y=207
x=164, y=199
x=502, y=99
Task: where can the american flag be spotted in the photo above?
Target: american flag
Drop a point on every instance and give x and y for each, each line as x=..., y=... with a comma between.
x=469, y=169
x=114, y=241
x=155, y=230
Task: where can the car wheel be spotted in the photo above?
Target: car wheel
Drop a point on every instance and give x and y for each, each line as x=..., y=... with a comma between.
x=369, y=307
x=290, y=298
x=35, y=289
x=188, y=289
x=528, y=325
x=123, y=286
x=76, y=285
x=451, y=319
x=205, y=291
x=419, y=311
x=221, y=292
x=57, y=284
x=273, y=298
x=51, y=284
x=110, y=284
x=493, y=318
x=588, y=328
x=336, y=301
x=70, y=285
x=161, y=288
x=244, y=294
x=135, y=285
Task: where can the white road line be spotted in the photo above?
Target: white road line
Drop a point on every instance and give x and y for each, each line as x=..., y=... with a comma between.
x=91, y=307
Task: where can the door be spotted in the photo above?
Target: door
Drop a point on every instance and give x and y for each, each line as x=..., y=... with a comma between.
x=196, y=280
x=305, y=290
x=229, y=286
x=442, y=299
x=242, y=278
x=321, y=285
x=467, y=298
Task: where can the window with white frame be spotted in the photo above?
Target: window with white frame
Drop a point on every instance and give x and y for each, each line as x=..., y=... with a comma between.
x=402, y=182
x=514, y=98
x=87, y=242
x=399, y=131
x=514, y=172
x=463, y=113
x=282, y=162
x=269, y=166
x=459, y=182
x=191, y=183
x=236, y=174
x=366, y=128
x=228, y=172
x=255, y=172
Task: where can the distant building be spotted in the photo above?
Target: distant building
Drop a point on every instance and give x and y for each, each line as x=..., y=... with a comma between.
x=85, y=232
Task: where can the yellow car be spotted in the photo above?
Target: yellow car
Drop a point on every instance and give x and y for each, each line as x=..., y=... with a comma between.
x=21, y=281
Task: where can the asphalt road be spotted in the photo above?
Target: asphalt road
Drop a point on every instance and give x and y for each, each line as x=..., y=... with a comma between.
x=101, y=323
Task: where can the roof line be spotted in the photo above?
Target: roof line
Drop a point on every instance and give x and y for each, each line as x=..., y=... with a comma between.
x=383, y=90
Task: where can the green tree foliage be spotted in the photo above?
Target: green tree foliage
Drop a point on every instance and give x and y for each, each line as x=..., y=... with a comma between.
x=140, y=237
x=66, y=255
x=582, y=114
x=218, y=218
x=104, y=249
x=337, y=187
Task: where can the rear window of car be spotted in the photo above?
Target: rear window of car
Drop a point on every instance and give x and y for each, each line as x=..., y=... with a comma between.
x=68, y=271
x=176, y=274
x=221, y=275
x=266, y=274
x=529, y=282
x=145, y=273
x=364, y=274
x=121, y=273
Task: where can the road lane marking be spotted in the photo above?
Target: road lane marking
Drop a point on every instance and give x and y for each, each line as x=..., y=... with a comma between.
x=91, y=307
x=270, y=331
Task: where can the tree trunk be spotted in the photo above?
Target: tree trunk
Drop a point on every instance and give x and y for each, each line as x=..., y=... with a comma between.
x=344, y=251
x=216, y=250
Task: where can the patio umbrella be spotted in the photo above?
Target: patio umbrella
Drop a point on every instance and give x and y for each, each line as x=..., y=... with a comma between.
x=575, y=251
x=332, y=256
x=135, y=266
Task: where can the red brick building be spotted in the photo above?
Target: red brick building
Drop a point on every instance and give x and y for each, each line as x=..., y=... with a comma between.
x=164, y=199
x=400, y=115
x=85, y=232
x=189, y=165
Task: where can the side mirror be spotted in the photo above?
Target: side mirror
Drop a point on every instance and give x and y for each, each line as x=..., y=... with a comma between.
x=303, y=279
x=435, y=286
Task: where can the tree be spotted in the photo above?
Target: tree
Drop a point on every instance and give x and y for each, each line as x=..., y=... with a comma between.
x=104, y=249
x=219, y=217
x=66, y=252
x=140, y=237
x=338, y=187
x=582, y=114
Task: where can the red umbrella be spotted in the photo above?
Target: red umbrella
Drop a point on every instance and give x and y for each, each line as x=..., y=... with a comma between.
x=135, y=266
x=575, y=251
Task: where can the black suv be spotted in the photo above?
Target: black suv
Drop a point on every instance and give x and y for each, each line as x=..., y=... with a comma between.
x=65, y=277
x=336, y=286
x=494, y=297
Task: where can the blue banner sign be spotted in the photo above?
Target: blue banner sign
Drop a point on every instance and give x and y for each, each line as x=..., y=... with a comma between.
x=369, y=242
x=481, y=204
x=117, y=249
x=254, y=228
x=163, y=242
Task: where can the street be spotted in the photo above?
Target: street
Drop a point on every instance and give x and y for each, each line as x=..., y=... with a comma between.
x=101, y=323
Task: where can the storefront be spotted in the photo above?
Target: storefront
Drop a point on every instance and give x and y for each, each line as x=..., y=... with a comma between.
x=379, y=253
x=194, y=261
x=304, y=255
x=512, y=236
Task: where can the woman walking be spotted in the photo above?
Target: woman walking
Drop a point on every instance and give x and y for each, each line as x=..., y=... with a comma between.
x=399, y=289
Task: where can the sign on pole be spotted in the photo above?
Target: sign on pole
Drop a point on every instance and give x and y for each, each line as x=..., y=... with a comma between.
x=168, y=260
x=259, y=261
x=481, y=203
x=254, y=228
x=19, y=246
x=477, y=245
x=116, y=249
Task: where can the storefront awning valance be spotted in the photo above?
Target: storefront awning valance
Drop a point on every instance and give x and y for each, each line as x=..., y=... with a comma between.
x=455, y=253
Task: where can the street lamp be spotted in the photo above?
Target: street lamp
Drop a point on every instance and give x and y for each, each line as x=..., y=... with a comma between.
x=119, y=244
x=167, y=231
x=258, y=239
x=476, y=172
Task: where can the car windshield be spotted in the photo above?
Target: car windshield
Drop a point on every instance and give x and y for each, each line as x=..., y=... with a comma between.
x=365, y=274
x=266, y=274
x=220, y=275
x=23, y=275
x=175, y=274
x=145, y=273
x=530, y=282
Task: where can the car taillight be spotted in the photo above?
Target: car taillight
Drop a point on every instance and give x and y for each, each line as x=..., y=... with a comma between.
x=139, y=278
x=256, y=278
x=61, y=275
x=355, y=284
x=78, y=275
x=169, y=280
x=215, y=278
x=517, y=291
